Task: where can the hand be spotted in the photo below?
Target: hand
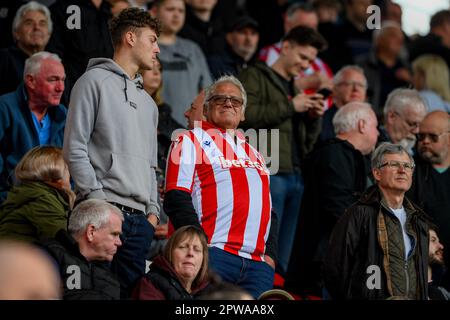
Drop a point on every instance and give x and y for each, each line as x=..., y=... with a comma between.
x=303, y=102
x=161, y=231
x=403, y=74
x=269, y=261
x=317, y=110
x=152, y=219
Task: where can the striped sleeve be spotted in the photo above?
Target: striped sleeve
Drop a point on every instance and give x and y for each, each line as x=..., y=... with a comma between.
x=181, y=164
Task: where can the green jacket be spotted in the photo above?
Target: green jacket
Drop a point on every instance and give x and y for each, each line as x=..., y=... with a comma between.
x=33, y=212
x=269, y=107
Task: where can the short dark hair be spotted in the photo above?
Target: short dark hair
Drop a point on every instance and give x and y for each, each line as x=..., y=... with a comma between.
x=440, y=18
x=131, y=19
x=304, y=36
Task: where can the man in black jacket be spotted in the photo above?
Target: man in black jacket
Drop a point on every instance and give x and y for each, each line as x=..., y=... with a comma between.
x=80, y=33
x=334, y=174
x=379, y=247
x=431, y=180
x=84, y=254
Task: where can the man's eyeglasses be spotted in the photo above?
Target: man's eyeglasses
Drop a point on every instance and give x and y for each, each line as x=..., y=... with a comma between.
x=358, y=85
x=222, y=100
x=411, y=125
x=397, y=164
x=434, y=137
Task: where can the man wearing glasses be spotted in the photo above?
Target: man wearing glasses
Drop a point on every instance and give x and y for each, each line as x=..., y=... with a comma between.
x=218, y=181
x=403, y=113
x=431, y=182
x=379, y=247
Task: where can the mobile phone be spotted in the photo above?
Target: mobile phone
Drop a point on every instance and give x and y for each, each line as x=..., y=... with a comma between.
x=325, y=92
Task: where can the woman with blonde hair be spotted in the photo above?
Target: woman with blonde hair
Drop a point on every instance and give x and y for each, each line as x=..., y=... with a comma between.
x=36, y=208
x=431, y=79
x=181, y=272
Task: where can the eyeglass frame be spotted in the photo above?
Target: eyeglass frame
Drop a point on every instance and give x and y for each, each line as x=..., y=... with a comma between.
x=241, y=101
x=352, y=84
x=411, y=126
x=434, y=138
x=394, y=164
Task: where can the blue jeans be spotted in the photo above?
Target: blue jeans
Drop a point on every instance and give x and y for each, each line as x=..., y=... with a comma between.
x=254, y=276
x=286, y=191
x=129, y=261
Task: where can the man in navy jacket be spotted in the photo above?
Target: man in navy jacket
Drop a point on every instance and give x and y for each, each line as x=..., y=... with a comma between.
x=32, y=115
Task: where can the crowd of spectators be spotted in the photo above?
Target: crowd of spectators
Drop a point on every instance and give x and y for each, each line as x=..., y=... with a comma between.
x=122, y=145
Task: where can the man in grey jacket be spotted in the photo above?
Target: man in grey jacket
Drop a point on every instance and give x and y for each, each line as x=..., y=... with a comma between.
x=110, y=141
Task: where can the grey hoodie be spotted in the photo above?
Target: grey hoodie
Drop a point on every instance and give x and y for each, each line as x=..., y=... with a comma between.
x=110, y=139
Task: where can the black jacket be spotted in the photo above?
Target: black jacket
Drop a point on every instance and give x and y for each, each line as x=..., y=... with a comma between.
x=209, y=35
x=335, y=174
x=12, y=63
x=76, y=46
x=360, y=240
x=227, y=63
x=96, y=281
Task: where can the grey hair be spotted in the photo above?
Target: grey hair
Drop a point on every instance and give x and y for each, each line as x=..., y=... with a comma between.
x=387, y=148
x=385, y=25
x=293, y=8
x=401, y=99
x=347, y=117
x=33, y=63
x=32, y=6
x=92, y=211
x=340, y=74
x=211, y=90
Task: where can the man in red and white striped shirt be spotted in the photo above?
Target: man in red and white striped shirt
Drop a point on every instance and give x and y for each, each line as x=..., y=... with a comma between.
x=217, y=180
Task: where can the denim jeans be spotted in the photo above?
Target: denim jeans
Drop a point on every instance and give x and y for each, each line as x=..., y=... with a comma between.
x=286, y=191
x=254, y=276
x=129, y=261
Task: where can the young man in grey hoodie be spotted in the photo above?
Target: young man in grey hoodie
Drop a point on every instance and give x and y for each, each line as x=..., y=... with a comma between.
x=110, y=141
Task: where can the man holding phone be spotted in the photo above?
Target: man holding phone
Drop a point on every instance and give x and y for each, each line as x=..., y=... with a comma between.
x=274, y=103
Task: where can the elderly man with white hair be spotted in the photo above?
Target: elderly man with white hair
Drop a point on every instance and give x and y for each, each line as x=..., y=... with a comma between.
x=31, y=30
x=335, y=173
x=84, y=252
x=403, y=112
x=32, y=115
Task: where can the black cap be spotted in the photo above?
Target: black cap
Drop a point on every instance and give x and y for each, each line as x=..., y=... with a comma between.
x=243, y=22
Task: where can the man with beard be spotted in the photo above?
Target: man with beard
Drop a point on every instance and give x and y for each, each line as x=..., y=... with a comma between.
x=435, y=263
x=431, y=181
x=403, y=112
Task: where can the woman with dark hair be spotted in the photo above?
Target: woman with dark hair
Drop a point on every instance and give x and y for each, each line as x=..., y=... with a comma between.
x=181, y=272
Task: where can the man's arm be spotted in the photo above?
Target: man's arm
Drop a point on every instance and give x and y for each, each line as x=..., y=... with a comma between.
x=179, y=208
x=272, y=241
x=180, y=170
x=258, y=113
x=5, y=122
x=338, y=262
x=80, y=124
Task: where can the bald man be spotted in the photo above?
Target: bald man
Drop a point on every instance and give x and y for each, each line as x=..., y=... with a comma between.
x=26, y=273
x=431, y=182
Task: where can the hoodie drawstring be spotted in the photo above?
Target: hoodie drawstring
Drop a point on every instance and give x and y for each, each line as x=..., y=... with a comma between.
x=125, y=89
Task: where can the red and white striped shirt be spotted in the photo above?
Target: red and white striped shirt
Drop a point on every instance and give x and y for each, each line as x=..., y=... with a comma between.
x=229, y=185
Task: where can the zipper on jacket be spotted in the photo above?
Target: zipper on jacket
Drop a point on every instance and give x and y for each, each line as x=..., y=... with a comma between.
x=407, y=278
